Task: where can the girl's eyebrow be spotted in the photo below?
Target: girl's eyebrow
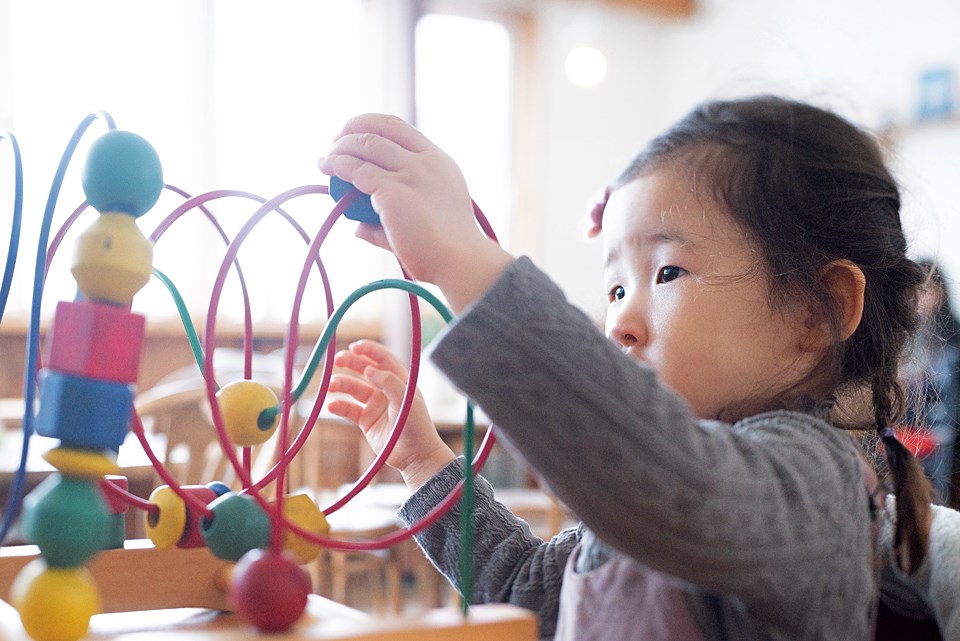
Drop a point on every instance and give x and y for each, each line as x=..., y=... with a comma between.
x=658, y=237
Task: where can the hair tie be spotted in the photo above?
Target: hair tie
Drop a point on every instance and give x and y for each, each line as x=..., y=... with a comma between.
x=596, y=212
x=887, y=432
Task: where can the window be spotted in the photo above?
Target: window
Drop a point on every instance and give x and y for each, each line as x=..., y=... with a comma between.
x=233, y=94
x=463, y=96
x=245, y=95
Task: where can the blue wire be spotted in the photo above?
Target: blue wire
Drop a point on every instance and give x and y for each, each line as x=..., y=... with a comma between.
x=15, y=225
x=12, y=508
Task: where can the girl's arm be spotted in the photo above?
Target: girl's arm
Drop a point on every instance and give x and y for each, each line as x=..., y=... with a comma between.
x=511, y=565
x=764, y=510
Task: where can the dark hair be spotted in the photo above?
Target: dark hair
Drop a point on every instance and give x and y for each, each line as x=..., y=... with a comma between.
x=943, y=324
x=812, y=188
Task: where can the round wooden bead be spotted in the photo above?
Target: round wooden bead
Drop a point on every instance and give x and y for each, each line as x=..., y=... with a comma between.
x=238, y=526
x=166, y=526
x=122, y=173
x=269, y=590
x=249, y=412
x=301, y=510
x=112, y=259
x=67, y=518
x=55, y=604
x=81, y=463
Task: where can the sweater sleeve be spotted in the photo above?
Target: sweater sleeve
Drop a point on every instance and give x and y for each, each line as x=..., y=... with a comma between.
x=768, y=509
x=511, y=565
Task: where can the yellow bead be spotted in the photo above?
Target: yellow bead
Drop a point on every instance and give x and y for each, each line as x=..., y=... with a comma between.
x=85, y=464
x=300, y=510
x=249, y=412
x=55, y=604
x=166, y=528
x=112, y=259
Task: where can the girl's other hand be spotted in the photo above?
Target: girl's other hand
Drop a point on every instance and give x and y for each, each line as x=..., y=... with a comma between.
x=373, y=396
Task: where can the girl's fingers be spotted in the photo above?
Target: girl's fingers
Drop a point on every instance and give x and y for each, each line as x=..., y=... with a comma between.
x=379, y=356
x=367, y=176
x=390, y=127
x=388, y=383
x=373, y=234
x=350, y=359
x=352, y=386
x=345, y=409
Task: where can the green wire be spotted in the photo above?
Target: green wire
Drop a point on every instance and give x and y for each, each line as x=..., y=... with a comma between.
x=184, y=318
x=466, y=500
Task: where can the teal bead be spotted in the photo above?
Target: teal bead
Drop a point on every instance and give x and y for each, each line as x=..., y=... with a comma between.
x=67, y=518
x=238, y=526
x=116, y=532
x=122, y=174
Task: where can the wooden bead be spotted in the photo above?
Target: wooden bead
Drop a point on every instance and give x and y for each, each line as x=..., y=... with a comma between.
x=94, y=340
x=67, y=519
x=302, y=511
x=361, y=210
x=249, y=412
x=166, y=526
x=80, y=463
x=83, y=412
x=192, y=537
x=122, y=172
x=238, y=526
x=55, y=604
x=112, y=259
x=269, y=590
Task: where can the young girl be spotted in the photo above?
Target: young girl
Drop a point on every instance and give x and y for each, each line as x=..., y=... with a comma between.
x=760, y=298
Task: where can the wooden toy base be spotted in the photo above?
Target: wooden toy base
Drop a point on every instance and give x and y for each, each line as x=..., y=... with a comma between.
x=161, y=595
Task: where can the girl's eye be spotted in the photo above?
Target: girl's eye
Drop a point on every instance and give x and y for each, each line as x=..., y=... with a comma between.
x=617, y=293
x=669, y=273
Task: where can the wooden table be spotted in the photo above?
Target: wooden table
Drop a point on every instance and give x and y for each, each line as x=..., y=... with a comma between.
x=140, y=577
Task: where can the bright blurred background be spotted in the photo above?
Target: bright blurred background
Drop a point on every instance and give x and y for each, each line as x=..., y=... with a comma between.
x=540, y=101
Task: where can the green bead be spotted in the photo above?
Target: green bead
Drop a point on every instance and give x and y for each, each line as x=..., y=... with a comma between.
x=68, y=519
x=122, y=174
x=238, y=526
x=116, y=532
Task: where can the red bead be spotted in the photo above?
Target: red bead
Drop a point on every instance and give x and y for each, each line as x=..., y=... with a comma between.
x=192, y=536
x=269, y=590
x=98, y=341
x=116, y=503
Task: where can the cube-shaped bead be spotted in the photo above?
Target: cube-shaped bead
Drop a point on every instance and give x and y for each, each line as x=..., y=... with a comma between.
x=95, y=340
x=83, y=412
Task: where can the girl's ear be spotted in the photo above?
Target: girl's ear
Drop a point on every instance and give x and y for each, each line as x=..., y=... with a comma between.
x=846, y=283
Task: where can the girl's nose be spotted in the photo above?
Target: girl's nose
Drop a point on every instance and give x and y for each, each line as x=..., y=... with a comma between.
x=626, y=329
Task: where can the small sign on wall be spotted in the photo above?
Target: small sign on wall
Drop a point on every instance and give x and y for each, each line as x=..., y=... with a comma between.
x=937, y=93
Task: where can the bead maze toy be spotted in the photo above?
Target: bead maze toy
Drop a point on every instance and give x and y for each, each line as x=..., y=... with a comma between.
x=209, y=546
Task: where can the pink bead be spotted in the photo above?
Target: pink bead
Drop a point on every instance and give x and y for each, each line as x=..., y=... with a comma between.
x=269, y=590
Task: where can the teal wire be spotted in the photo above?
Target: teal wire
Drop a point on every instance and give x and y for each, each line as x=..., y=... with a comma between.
x=185, y=318
x=466, y=499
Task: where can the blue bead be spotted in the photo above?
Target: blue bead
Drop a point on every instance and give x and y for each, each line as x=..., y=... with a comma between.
x=361, y=210
x=122, y=173
x=238, y=526
x=84, y=413
x=219, y=488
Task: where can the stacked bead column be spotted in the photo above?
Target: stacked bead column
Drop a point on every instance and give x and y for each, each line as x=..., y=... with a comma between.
x=86, y=390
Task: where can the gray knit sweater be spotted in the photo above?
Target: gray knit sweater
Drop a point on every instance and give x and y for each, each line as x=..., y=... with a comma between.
x=764, y=523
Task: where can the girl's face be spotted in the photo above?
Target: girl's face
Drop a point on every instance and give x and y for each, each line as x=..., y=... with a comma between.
x=688, y=297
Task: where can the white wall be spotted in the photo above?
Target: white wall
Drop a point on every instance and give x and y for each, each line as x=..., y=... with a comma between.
x=860, y=57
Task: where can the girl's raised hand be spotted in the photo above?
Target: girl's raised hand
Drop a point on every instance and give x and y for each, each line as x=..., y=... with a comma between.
x=423, y=203
x=373, y=396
